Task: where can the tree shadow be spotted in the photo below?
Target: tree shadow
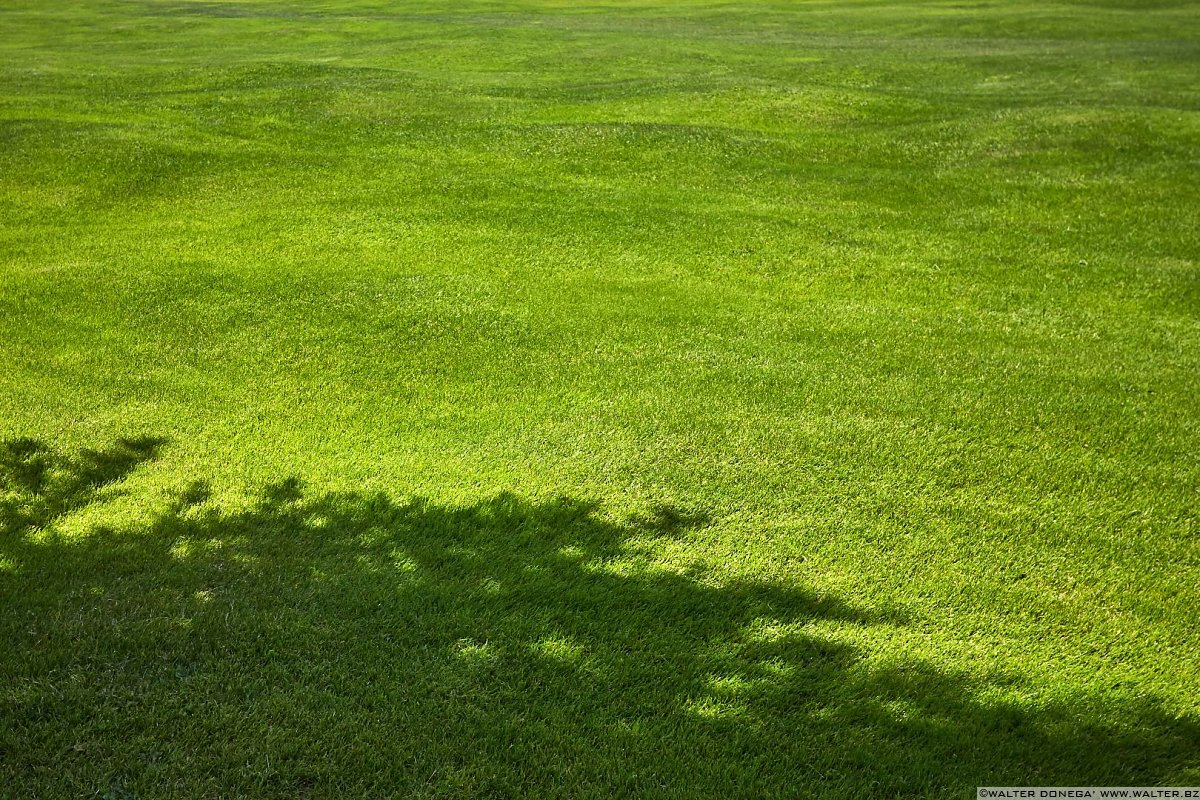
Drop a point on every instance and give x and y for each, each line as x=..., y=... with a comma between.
x=349, y=644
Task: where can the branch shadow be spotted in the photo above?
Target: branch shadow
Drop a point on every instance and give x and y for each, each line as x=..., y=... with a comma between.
x=334, y=644
x=39, y=484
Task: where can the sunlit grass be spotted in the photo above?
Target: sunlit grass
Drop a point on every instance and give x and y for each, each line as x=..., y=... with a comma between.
x=634, y=399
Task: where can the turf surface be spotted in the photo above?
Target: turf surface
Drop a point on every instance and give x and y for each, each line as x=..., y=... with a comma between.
x=544, y=399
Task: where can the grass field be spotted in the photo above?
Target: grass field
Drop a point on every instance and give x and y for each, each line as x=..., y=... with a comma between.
x=547, y=399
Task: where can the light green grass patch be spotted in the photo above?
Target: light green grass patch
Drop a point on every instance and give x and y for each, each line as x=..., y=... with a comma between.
x=627, y=399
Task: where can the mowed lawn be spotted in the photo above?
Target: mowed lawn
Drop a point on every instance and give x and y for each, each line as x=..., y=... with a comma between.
x=533, y=398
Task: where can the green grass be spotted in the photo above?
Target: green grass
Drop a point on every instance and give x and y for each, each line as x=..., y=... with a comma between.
x=531, y=398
